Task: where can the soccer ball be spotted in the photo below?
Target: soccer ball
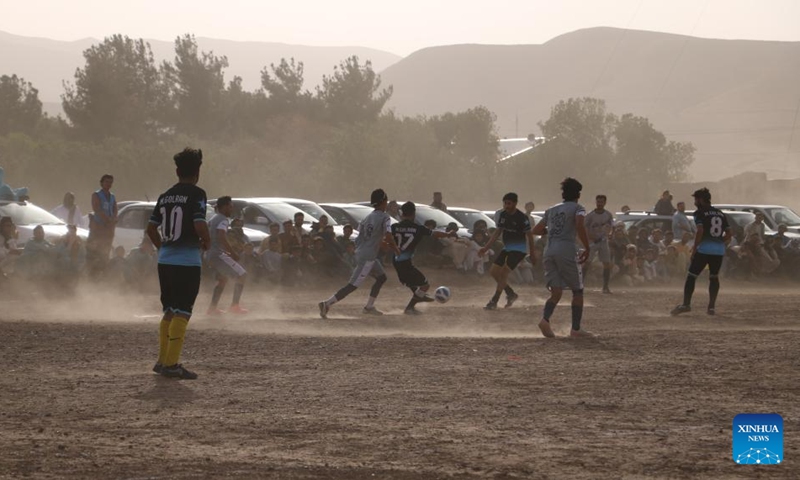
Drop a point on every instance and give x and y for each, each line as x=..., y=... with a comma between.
x=442, y=294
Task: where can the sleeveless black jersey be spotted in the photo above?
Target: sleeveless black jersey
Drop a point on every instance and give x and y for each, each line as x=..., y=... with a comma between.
x=408, y=234
x=515, y=229
x=176, y=212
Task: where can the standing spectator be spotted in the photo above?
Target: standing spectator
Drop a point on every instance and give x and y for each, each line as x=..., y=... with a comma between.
x=393, y=210
x=681, y=223
x=299, y=230
x=437, y=202
x=664, y=204
x=69, y=211
x=318, y=227
x=102, y=223
x=529, y=208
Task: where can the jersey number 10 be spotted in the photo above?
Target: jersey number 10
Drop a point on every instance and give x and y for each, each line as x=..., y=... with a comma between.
x=171, y=225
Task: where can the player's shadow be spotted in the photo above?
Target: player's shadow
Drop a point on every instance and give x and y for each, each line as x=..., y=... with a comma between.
x=168, y=391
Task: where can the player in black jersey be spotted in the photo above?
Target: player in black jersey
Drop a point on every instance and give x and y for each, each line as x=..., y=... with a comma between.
x=713, y=234
x=515, y=227
x=181, y=215
x=408, y=234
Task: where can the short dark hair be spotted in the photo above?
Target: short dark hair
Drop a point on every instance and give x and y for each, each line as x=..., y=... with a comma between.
x=222, y=201
x=106, y=177
x=511, y=196
x=377, y=197
x=571, y=189
x=702, y=194
x=299, y=213
x=601, y=196
x=408, y=209
x=346, y=225
x=188, y=162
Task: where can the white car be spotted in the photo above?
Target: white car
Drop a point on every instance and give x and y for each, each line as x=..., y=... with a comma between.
x=774, y=215
x=133, y=218
x=27, y=216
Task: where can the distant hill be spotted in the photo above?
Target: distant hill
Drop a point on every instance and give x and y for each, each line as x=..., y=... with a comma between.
x=45, y=63
x=736, y=100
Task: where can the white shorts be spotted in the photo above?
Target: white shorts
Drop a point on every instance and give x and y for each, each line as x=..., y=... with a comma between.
x=600, y=250
x=226, y=266
x=563, y=272
x=366, y=269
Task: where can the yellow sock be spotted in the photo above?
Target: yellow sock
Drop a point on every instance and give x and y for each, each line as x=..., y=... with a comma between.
x=177, y=330
x=163, y=340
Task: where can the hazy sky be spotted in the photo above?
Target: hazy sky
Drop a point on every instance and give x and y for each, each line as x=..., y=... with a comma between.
x=399, y=26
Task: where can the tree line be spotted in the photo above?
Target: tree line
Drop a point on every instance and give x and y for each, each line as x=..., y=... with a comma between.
x=126, y=115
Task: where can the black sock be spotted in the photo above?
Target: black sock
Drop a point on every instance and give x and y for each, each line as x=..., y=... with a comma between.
x=216, y=296
x=688, y=290
x=549, y=308
x=496, y=297
x=237, y=293
x=606, y=278
x=713, y=291
x=376, y=287
x=345, y=291
x=577, y=314
x=509, y=291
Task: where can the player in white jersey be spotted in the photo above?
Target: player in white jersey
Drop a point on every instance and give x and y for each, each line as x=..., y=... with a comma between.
x=562, y=223
x=223, y=259
x=374, y=230
x=599, y=224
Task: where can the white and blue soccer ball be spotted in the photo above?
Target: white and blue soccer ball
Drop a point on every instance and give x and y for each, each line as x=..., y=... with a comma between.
x=442, y=294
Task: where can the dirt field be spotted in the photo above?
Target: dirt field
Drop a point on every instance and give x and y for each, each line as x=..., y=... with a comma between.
x=457, y=393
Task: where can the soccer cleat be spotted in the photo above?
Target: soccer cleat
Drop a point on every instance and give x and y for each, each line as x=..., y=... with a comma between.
x=581, y=334
x=412, y=311
x=238, y=310
x=177, y=371
x=544, y=326
x=491, y=306
x=680, y=309
x=215, y=312
x=323, y=309
x=372, y=311
x=158, y=367
x=427, y=298
x=510, y=299
x=711, y=311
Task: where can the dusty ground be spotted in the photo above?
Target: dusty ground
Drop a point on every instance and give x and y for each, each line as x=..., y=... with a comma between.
x=458, y=393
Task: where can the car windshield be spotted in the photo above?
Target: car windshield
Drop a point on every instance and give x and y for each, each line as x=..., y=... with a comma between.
x=469, y=218
x=314, y=210
x=438, y=216
x=28, y=214
x=740, y=219
x=282, y=212
x=358, y=213
x=784, y=215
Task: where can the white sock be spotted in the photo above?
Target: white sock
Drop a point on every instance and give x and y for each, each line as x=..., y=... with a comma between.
x=331, y=301
x=420, y=292
x=371, y=302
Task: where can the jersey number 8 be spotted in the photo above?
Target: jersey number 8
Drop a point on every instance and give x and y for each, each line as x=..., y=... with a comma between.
x=716, y=227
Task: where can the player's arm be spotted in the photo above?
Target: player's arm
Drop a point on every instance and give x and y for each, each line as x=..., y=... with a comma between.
x=152, y=226
x=540, y=228
x=531, y=246
x=698, y=237
x=438, y=235
x=388, y=238
x=222, y=238
x=200, y=224
x=491, y=242
x=583, y=237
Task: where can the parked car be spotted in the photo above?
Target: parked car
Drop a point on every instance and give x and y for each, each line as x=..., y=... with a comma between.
x=314, y=210
x=350, y=213
x=133, y=218
x=468, y=217
x=774, y=215
x=26, y=216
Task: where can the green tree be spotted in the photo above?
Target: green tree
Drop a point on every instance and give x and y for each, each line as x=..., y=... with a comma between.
x=119, y=92
x=284, y=89
x=197, y=85
x=353, y=93
x=470, y=136
x=19, y=104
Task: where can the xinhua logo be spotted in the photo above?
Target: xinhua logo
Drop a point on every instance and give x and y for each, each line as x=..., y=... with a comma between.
x=758, y=439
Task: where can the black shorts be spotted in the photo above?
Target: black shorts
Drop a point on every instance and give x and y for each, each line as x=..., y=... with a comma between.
x=179, y=287
x=409, y=275
x=509, y=259
x=700, y=260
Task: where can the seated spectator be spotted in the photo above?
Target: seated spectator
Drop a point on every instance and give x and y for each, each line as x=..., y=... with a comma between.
x=346, y=237
x=674, y=264
x=625, y=209
x=9, y=251
x=631, y=274
x=115, y=271
x=480, y=226
x=643, y=242
x=633, y=235
x=657, y=241
x=454, y=248
x=350, y=256
x=756, y=229
x=429, y=251
x=318, y=227
x=473, y=261
x=37, y=258
x=669, y=238
x=141, y=265
x=292, y=267
x=618, y=245
x=272, y=260
x=274, y=232
x=649, y=265
x=781, y=235
x=288, y=238
x=70, y=258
